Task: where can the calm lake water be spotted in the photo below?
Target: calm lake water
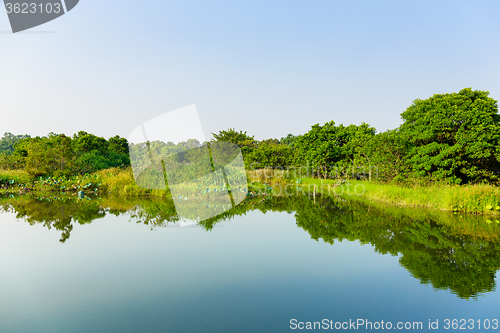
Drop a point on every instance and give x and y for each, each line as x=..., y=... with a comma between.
x=123, y=265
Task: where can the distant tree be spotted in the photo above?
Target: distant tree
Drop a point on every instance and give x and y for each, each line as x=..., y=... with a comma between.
x=454, y=137
x=245, y=142
x=387, y=152
x=118, y=145
x=8, y=140
x=270, y=155
x=86, y=142
x=231, y=135
x=40, y=158
x=289, y=140
x=357, y=154
x=270, y=142
x=63, y=153
x=58, y=154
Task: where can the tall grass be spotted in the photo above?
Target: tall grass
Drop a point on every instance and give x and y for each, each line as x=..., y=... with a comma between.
x=474, y=199
x=115, y=180
x=19, y=176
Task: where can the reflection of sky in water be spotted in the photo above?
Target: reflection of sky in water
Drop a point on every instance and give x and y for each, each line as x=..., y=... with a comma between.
x=252, y=274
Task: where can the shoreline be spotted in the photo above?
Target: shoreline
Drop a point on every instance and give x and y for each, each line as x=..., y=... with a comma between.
x=468, y=199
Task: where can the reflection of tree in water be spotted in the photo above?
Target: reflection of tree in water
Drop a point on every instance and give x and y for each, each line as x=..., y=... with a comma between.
x=462, y=260
x=461, y=254
x=61, y=213
x=54, y=212
x=441, y=249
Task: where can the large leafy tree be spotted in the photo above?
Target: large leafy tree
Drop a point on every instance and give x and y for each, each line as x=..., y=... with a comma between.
x=454, y=137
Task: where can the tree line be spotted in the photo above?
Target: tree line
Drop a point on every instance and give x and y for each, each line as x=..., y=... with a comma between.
x=60, y=155
x=452, y=138
x=449, y=138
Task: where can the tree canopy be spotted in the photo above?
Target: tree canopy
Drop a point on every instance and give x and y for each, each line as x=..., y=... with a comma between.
x=454, y=137
x=8, y=140
x=58, y=154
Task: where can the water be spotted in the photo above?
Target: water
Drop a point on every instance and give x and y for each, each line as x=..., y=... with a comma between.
x=117, y=265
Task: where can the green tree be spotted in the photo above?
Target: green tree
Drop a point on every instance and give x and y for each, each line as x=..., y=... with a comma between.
x=270, y=155
x=231, y=135
x=58, y=154
x=242, y=139
x=387, y=153
x=319, y=149
x=454, y=137
x=63, y=153
x=118, y=145
x=8, y=140
x=357, y=159
x=334, y=150
x=289, y=140
x=86, y=142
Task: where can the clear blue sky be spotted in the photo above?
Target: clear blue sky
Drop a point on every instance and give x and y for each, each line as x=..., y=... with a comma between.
x=267, y=67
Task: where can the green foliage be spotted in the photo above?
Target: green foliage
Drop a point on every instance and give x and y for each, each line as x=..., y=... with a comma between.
x=319, y=148
x=7, y=142
x=454, y=137
x=231, y=135
x=269, y=155
x=59, y=155
x=328, y=147
x=118, y=145
x=85, y=142
x=245, y=142
x=386, y=153
x=289, y=140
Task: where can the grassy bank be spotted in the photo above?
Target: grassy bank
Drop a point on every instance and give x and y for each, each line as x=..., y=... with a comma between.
x=472, y=199
x=110, y=181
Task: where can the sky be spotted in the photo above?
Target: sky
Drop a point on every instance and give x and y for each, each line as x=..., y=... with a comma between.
x=266, y=67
